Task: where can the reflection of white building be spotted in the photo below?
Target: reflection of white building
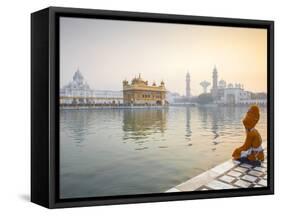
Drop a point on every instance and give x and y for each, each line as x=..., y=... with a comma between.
x=79, y=92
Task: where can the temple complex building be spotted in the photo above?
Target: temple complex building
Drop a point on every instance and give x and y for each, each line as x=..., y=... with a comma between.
x=234, y=94
x=78, y=92
x=140, y=93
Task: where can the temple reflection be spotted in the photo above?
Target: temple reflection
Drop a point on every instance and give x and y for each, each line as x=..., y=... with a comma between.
x=140, y=123
x=203, y=116
x=215, y=118
x=76, y=124
x=218, y=120
x=188, y=127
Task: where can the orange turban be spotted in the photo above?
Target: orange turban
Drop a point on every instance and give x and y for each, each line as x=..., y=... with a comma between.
x=252, y=117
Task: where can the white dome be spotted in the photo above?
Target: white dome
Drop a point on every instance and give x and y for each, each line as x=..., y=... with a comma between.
x=222, y=84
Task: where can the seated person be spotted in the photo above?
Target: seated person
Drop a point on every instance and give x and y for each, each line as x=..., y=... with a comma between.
x=251, y=151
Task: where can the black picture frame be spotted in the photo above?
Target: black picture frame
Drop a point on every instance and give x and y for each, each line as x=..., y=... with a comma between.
x=45, y=106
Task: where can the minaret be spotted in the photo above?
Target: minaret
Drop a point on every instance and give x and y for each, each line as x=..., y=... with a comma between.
x=215, y=82
x=187, y=82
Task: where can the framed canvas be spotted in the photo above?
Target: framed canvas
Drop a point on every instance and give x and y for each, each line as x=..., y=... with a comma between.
x=134, y=107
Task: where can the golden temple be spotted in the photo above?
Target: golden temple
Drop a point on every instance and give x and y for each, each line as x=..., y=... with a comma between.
x=140, y=93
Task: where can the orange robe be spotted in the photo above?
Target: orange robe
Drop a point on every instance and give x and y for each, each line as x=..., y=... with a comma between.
x=253, y=141
x=252, y=146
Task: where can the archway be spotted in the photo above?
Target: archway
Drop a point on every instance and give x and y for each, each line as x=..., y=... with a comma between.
x=230, y=99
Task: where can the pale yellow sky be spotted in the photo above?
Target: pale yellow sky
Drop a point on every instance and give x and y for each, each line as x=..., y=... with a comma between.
x=108, y=51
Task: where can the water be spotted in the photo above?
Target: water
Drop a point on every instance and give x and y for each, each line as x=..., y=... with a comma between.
x=140, y=151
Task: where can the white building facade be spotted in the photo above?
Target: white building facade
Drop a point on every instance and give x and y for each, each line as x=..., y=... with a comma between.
x=78, y=92
x=236, y=95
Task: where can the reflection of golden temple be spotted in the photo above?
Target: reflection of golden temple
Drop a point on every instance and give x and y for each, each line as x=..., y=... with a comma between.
x=144, y=122
x=139, y=92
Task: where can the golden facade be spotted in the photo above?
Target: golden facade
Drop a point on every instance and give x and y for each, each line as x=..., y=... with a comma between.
x=140, y=93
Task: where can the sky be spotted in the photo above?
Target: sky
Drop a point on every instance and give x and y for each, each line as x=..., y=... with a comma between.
x=109, y=51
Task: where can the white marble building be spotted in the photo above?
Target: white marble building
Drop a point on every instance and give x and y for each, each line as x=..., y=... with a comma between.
x=235, y=94
x=78, y=92
x=224, y=93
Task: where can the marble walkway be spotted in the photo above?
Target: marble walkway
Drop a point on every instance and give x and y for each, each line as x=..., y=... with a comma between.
x=228, y=175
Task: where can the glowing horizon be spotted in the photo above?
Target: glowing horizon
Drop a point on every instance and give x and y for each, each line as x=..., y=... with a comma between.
x=109, y=51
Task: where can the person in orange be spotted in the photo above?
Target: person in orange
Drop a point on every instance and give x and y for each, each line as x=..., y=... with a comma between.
x=251, y=151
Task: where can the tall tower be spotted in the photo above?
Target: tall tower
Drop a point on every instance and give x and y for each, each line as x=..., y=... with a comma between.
x=187, y=83
x=215, y=82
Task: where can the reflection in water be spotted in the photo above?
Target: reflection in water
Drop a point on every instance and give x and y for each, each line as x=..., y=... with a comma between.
x=139, y=124
x=76, y=124
x=188, y=127
x=215, y=127
x=135, y=151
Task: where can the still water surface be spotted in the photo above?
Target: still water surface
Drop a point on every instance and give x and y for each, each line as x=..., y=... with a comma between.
x=139, y=151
